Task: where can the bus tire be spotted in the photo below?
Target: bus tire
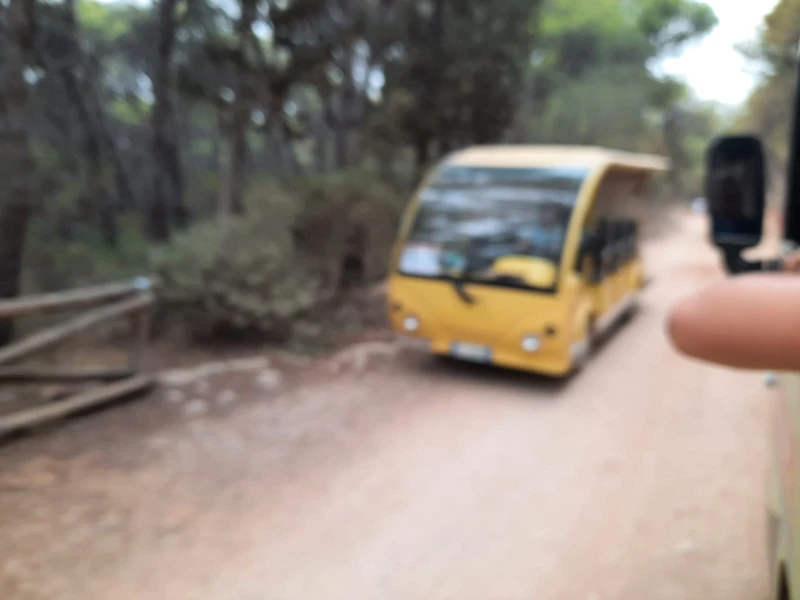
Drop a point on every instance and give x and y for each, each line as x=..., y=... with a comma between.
x=589, y=343
x=632, y=310
x=783, y=593
x=595, y=337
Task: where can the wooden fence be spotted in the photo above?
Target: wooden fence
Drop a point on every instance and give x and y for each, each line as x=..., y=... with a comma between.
x=99, y=305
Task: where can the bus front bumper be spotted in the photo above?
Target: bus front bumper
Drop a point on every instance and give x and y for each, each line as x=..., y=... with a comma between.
x=551, y=360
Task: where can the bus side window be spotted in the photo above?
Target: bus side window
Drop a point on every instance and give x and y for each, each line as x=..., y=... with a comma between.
x=628, y=236
x=613, y=246
x=621, y=242
x=587, y=260
x=633, y=239
x=604, y=251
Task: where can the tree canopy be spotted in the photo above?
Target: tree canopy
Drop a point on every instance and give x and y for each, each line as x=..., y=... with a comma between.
x=144, y=119
x=768, y=111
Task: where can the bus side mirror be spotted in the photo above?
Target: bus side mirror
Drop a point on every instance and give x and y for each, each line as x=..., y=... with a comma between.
x=736, y=192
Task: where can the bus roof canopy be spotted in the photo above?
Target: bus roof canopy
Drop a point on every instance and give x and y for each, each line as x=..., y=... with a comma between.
x=589, y=157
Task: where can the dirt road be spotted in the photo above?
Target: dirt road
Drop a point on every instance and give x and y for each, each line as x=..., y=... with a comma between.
x=407, y=478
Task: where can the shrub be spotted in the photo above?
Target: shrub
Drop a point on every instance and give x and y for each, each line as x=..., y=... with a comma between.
x=284, y=260
x=241, y=277
x=348, y=218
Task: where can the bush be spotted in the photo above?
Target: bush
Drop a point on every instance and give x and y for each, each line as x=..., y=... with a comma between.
x=284, y=261
x=348, y=219
x=242, y=277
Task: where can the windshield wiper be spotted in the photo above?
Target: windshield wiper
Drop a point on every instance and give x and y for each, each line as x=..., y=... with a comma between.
x=458, y=285
x=461, y=280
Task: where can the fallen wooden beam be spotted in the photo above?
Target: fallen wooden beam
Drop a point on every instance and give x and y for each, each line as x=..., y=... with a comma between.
x=81, y=401
x=64, y=375
x=72, y=299
x=58, y=333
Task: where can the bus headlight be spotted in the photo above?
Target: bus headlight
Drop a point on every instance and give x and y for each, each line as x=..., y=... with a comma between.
x=531, y=343
x=411, y=324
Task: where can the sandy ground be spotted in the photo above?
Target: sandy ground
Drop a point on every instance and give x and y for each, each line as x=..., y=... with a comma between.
x=383, y=475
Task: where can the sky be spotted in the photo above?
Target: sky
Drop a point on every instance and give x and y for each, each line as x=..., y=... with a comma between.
x=713, y=67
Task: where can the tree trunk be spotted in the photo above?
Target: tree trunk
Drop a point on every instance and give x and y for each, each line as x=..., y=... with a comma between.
x=97, y=175
x=270, y=157
x=422, y=151
x=17, y=177
x=674, y=143
x=346, y=111
x=233, y=163
x=321, y=152
x=288, y=154
x=238, y=157
x=342, y=148
x=122, y=180
x=166, y=205
x=122, y=187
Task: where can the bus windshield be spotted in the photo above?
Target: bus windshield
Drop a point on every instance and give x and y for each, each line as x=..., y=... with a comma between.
x=468, y=217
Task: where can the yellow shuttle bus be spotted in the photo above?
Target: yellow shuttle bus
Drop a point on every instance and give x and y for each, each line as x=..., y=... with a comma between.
x=519, y=255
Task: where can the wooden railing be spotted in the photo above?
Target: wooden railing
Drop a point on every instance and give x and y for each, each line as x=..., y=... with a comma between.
x=101, y=304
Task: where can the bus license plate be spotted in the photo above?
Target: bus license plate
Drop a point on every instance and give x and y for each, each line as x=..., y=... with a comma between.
x=471, y=352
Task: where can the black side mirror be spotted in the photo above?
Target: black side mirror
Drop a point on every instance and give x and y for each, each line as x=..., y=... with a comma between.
x=736, y=192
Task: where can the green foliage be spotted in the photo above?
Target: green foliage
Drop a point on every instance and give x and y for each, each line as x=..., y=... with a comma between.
x=777, y=45
x=259, y=275
x=697, y=123
x=576, y=37
x=307, y=74
x=459, y=79
x=58, y=260
x=235, y=278
x=668, y=24
x=108, y=22
x=590, y=82
x=133, y=112
x=603, y=107
x=768, y=114
x=348, y=213
x=768, y=111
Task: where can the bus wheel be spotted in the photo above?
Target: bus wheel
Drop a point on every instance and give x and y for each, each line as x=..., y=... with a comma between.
x=783, y=587
x=594, y=336
x=581, y=357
